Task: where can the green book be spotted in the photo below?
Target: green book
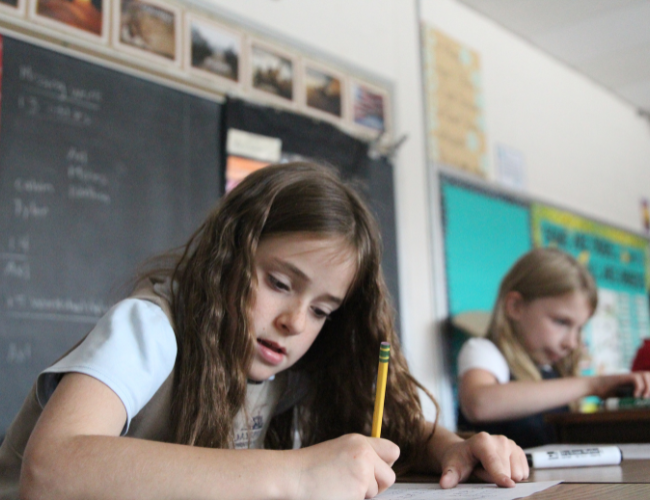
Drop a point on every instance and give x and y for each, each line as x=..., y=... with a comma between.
x=626, y=403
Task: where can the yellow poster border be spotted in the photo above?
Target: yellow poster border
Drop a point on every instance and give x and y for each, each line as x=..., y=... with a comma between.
x=575, y=222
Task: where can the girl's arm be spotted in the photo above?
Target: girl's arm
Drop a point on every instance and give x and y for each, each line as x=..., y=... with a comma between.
x=494, y=459
x=75, y=452
x=484, y=399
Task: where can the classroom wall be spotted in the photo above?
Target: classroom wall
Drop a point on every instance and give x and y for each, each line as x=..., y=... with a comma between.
x=584, y=148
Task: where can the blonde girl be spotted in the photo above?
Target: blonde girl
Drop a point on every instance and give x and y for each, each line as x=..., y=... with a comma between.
x=243, y=368
x=527, y=365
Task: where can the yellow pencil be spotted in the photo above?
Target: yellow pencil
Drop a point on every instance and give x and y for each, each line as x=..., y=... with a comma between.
x=382, y=375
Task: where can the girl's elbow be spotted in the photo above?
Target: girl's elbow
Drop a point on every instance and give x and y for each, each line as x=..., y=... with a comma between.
x=475, y=410
x=37, y=477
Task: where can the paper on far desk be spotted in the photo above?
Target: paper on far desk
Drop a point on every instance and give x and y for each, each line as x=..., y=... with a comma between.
x=433, y=491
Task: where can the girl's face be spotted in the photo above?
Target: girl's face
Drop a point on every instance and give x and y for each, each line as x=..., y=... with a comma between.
x=549, y=327
x=301, y=279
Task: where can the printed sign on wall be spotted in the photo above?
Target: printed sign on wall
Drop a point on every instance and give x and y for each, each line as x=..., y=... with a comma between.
x=454, y=103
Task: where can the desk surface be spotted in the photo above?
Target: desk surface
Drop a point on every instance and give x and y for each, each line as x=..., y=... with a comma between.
x=593, y=492
x=630, y=471
x=630, y=480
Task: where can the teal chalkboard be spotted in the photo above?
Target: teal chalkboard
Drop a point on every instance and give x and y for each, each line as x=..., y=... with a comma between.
x=484, y=233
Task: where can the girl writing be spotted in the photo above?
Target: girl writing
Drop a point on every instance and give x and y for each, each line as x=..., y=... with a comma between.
x=528, y=364
x=244, y=369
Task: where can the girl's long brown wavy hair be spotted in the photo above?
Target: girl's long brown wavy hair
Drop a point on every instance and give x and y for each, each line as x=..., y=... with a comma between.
x=211, y=301
x=543, y=272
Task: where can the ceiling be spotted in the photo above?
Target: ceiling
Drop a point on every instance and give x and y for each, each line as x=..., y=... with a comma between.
x=606, y=40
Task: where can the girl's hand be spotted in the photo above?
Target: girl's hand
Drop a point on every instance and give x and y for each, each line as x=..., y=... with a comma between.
x=605, y=386
x=494, y=459
x=350, y=467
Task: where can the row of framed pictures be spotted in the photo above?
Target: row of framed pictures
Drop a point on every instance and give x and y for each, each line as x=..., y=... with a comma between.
x=207, y=49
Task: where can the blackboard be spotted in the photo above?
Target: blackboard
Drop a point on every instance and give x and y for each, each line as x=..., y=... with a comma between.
x=99, y=170
x=307, y=138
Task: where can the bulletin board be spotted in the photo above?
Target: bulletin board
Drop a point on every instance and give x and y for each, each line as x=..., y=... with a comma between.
x=486, y=230
x=485, y=234
x=618, y=261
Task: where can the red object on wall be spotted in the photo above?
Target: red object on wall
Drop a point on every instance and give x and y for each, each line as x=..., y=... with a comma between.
x=642, y=359
x=1, y=51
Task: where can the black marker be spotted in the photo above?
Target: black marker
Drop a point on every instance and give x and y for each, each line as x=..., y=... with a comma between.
x=575, y=457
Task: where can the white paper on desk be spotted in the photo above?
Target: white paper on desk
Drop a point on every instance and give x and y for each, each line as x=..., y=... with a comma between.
x=433, y=491
x=630, y=451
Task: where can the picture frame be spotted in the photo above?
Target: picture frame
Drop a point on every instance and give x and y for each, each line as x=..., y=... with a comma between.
x=148, y=29
x=88, y=20
x=15, y=7
x=213, y=51
x=323, y=91
x=272, y=73
x=369, y=108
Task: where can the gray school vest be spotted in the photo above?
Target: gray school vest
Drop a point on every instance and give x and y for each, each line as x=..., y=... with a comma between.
x=152, y=422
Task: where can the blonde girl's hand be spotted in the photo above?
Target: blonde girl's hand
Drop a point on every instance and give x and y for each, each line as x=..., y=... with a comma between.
x=605, y=386
x=494, y=459
x=351, y=467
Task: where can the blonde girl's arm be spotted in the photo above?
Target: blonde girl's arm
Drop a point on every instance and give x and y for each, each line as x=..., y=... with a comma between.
x=494, y=459
x=74, y=452
x=483, y=399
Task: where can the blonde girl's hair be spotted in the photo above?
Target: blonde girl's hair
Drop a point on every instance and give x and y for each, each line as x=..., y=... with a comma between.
x=543, y=272
x=211, y=304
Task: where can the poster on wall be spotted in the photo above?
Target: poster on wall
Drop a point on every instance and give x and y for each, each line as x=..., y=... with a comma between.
x=618, y=261
x=454, y=103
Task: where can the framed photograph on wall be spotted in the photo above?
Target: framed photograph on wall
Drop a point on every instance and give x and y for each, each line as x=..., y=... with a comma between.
x=369, y=107
x=323, y=91
x=149, y=29
x=213, y=50
x=85, y=18
x=272, y=73
x=15, y=7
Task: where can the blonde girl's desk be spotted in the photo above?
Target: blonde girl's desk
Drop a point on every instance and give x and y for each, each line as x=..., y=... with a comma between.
x=606, y=427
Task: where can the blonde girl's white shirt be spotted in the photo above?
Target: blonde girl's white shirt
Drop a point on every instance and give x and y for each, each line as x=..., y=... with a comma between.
x=132, y=350
x=483, y=353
